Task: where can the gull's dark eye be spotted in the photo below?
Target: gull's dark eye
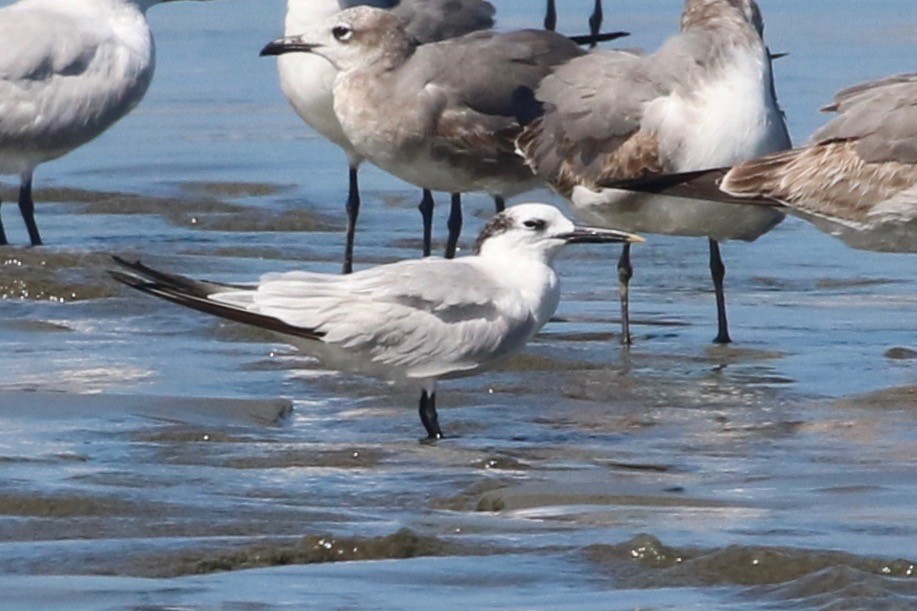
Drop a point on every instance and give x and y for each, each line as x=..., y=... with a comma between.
x=341, y=33
x=535, y=224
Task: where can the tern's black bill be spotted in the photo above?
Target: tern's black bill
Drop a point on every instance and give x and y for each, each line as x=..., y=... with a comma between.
x=287, y=45
x=594, y=235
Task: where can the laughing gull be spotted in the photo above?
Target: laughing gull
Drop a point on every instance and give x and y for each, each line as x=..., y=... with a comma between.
x=307, y=79
x=856, y=178
x=68, y=71
x=705, y=99
x=441, y=116
x=392, y=321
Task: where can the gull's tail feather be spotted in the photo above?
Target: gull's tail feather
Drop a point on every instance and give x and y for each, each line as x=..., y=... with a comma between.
x=196, y=294
x=702, y=184
x=594, y=39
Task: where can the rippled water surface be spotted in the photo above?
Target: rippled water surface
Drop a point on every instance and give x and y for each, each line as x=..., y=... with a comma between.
x=154, y=457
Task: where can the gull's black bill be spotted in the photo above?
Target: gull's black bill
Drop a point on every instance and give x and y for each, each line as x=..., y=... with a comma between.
x=595, y=235
x=289, y=44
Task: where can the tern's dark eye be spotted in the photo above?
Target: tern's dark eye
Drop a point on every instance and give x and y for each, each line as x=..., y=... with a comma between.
x=535, y=224
x=341, y=32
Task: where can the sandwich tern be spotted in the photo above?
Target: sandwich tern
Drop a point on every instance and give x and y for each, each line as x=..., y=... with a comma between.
x=413, y=322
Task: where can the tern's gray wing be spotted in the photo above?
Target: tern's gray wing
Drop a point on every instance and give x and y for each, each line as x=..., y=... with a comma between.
x=429, y=317
x=477, y=87
x=880, y=115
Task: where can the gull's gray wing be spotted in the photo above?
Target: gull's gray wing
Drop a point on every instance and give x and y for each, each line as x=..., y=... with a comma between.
x=880, y=115
x=477, y=87
x=602, y=112
x=860, y=168
x=433, y=20
x=429, y=317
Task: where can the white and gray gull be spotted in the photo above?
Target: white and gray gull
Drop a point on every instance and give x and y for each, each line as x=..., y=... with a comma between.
x=705, y=99
x=413, y=322
x=855, y=179
x=68, y=71
x=441, y=116
x=307, y=79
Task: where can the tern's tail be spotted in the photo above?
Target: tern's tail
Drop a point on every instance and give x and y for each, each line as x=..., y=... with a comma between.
x=196, y=294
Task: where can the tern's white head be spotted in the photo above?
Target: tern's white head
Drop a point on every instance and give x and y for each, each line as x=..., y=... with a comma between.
x=539, y=231
x=353, y=38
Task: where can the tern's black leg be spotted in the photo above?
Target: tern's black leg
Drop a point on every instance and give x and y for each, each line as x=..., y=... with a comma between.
x=595, y=22
x=353, y=210
x=550, y=17
x=718, y=272
x=625, y=273
x=3, y=241
x=428, y=415
x=499, y=203
x=455, y=225
x=426, y=212
x=27, y=208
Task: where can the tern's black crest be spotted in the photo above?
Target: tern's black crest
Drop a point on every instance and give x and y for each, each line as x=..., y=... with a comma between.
x=500, y=223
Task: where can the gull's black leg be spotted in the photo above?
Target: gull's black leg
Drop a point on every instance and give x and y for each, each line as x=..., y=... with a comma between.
x=718, y=272
x=426, y=212
x=499, y=203
x=27, y=208
x=353, y=210
x=595, y=22
x=3, y=241
x=454, y=224
x=428, y=415
x=550, y=17
x=625, y=273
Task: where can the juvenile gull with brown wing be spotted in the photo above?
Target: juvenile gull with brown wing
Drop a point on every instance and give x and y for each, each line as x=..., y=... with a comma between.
x=856, y=179
x=441, y=116
x=705, y=99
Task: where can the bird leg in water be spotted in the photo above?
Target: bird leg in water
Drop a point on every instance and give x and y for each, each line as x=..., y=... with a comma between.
x=499, y=204
x=428, y=415
x=27, y=208
x=550, y=17
x=3, y=241
x=595, y=23
x=353, y=210
x=426, y=213
x=625, y=273
x=718, y=272
x=455, y=225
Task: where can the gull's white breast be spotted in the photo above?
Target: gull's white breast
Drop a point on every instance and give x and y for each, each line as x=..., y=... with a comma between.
x=307, y=80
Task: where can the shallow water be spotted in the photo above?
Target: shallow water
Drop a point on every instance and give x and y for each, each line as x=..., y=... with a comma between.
x=153, y=457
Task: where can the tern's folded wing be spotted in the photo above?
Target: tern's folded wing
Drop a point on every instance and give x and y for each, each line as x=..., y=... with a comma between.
x=430, y=317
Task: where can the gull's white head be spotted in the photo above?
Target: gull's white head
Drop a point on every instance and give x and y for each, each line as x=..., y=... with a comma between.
x=540, y=231
x=353, y=38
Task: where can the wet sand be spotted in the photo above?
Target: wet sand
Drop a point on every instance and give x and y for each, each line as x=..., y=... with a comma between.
x=152, y=457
